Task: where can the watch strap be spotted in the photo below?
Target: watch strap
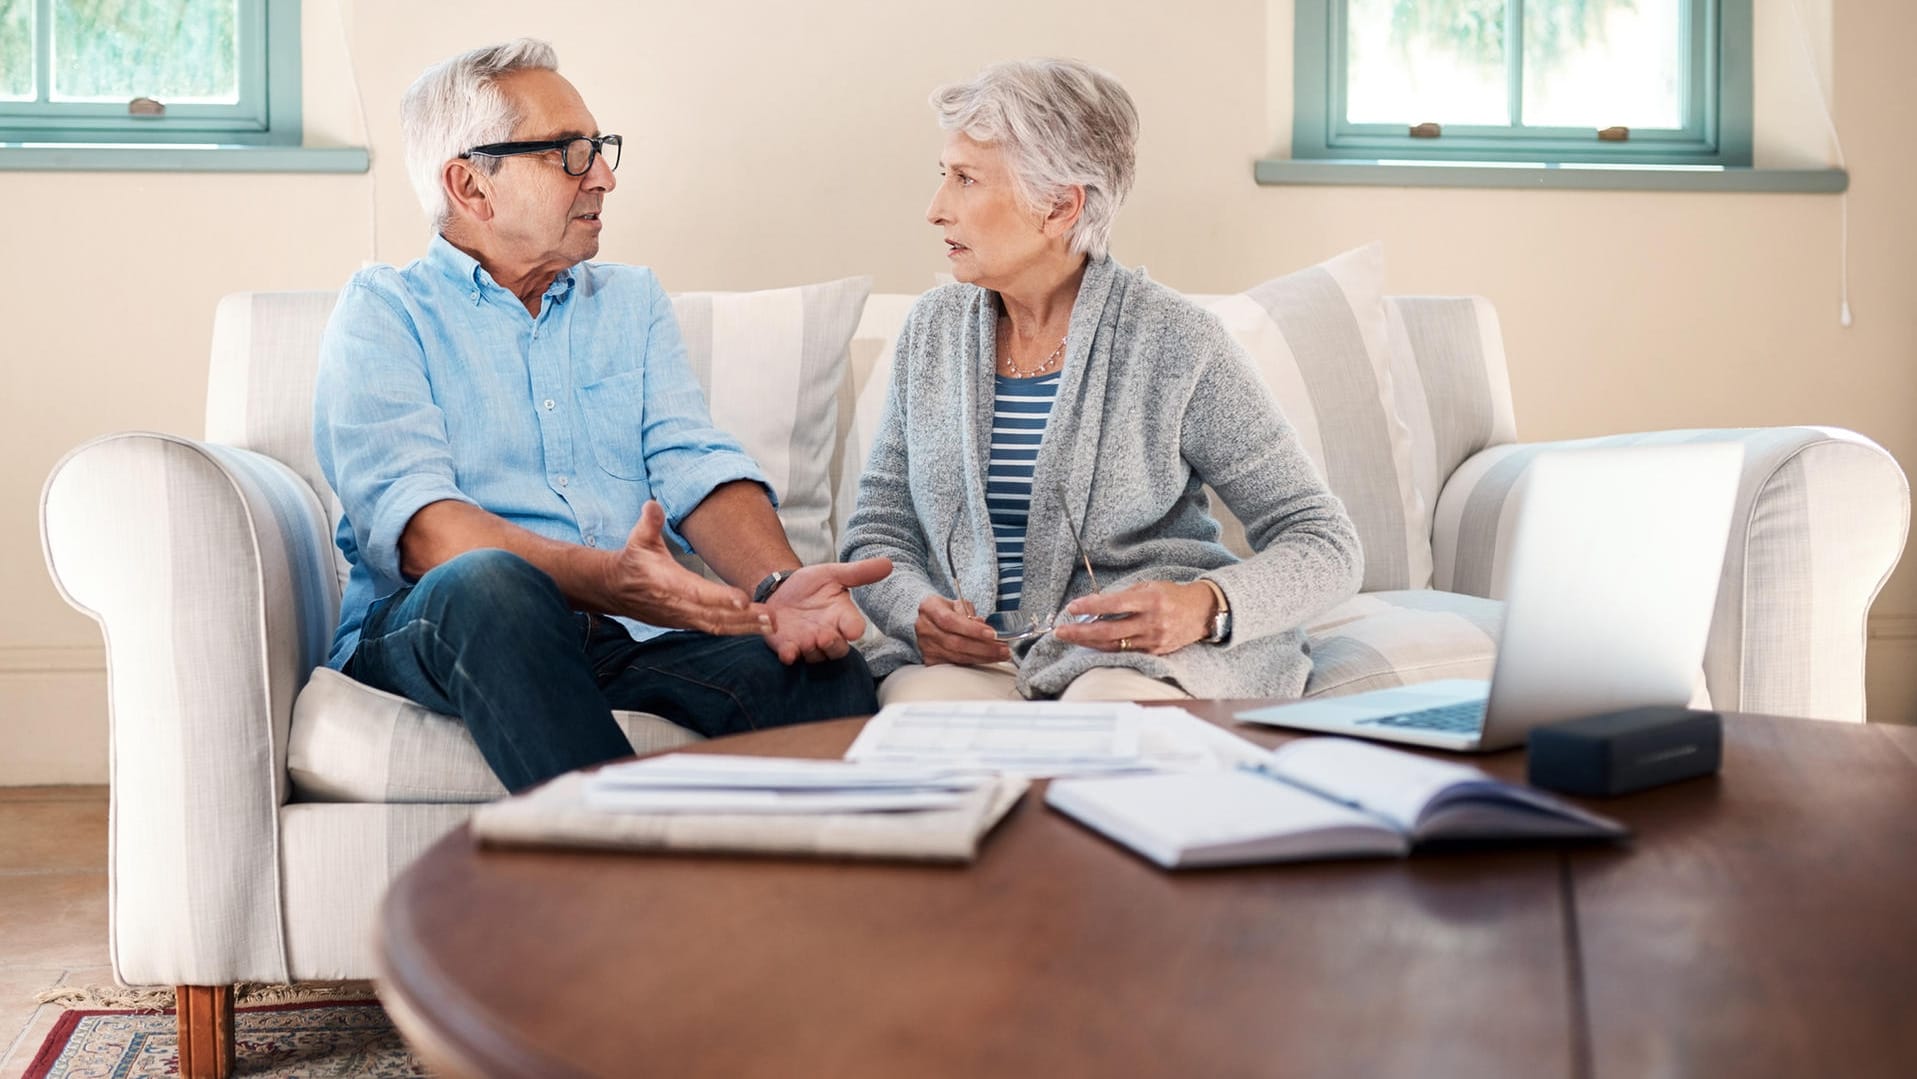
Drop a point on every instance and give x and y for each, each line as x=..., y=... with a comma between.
x=1221, y=613
x=769, y=584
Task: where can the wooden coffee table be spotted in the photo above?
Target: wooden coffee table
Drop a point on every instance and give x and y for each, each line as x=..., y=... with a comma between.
x=1762, y=923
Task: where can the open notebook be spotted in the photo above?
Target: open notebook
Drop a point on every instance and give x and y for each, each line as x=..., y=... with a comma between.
x=1316, y=798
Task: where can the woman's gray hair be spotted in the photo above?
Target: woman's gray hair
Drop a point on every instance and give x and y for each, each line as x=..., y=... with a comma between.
x=456, y=105
x=1060, y=123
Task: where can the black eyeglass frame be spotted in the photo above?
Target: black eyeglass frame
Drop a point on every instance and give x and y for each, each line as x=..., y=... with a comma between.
x=515, y=149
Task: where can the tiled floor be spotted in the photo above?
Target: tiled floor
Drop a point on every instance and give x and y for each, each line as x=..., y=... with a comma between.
x=53, y=907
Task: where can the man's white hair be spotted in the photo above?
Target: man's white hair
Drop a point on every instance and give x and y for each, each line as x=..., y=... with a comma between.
x=456, y=105
x=1059, y=123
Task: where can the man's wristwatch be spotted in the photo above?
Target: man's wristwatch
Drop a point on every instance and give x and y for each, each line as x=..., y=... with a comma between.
x=1220, y=615
x=769, y=584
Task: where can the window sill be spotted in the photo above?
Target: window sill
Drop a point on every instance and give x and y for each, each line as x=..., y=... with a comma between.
x=189, y=157
x=1538, y=175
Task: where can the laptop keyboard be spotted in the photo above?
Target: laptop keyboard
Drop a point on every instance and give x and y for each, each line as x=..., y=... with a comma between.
x=1465, y=717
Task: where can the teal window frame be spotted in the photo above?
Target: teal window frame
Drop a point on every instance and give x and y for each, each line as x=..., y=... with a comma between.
x=267, y=113
x=1716, y=104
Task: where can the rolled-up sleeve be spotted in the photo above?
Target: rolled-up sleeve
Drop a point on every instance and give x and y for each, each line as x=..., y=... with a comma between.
x=379, y=435
x=687, y=457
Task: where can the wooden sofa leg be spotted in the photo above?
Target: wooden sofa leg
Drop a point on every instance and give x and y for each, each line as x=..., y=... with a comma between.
x=206, y=1030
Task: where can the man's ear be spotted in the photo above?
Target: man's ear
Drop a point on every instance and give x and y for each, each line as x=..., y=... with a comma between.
x=1065, y=211
x=466, y=190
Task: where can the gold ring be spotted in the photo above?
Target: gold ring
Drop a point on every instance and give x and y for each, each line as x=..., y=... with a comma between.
x=1124, y=644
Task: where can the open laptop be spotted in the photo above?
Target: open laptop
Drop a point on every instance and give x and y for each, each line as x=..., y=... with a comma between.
x=1613, y=579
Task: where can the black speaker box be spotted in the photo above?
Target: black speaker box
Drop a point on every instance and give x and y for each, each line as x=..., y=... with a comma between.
x=1621, y=752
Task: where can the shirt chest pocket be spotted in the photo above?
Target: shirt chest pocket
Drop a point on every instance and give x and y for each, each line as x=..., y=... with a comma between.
x=615, y=420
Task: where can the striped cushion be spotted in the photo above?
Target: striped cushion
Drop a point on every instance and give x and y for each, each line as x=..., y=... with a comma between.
x=1382, y=639
x=1320, y=340
x=352, y=743
x=259, y=388
x=771, y=364
x=1451, y=386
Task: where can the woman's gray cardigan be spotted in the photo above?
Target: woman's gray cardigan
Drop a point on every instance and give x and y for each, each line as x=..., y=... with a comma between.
x=1155, y=401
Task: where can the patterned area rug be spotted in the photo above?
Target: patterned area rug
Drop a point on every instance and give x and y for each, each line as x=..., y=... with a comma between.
x=331, y=1038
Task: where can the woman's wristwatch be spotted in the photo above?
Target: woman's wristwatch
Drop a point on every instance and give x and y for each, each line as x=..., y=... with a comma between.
x=1220, y=613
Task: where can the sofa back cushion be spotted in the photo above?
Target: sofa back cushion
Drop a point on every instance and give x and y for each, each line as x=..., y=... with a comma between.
x=772, y=365
x=1451, y=386
x=868, y=372
x=1320, y=341
x=259, y=385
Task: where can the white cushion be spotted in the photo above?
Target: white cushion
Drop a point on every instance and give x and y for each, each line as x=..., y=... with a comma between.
x=352, y=743
x=1382, y=639
x=1320, y=340
x=862, y=395
x=772, y=364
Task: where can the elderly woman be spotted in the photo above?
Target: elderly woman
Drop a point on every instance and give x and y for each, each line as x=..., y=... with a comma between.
x=1051, y=422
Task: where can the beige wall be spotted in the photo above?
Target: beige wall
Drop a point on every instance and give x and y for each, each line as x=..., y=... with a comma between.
x=771, y=143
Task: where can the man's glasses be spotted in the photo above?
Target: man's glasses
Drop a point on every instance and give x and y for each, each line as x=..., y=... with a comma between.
x=1012, y=626
x=576, y=155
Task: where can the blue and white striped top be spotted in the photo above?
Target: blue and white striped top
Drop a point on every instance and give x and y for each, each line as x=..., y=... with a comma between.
x=1020, y=409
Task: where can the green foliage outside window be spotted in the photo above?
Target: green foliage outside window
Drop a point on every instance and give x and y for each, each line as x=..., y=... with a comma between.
x=1473, y=30
x=16, y=48
x=173, y=50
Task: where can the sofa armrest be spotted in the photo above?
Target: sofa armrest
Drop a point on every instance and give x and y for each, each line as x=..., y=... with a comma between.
x=1819, y=523
x=208, y=570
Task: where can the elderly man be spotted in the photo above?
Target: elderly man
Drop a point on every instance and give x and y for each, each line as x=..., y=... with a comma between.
x=513, y=433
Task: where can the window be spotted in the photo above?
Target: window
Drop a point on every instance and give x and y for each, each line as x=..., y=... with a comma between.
x=1606, y=81
x=150, y=71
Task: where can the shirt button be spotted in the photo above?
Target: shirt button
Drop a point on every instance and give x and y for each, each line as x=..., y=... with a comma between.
x=562, y=481
x=592, y=541
x=548, y=404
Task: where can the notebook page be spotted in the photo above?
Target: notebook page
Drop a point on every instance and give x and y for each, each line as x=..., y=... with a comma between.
x=1219, y=818
x=1394, y=785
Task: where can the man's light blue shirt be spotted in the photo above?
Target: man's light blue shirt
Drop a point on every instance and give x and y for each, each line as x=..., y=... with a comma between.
x=435, y=383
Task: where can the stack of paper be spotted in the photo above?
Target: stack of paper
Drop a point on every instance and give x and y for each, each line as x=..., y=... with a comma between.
x=744, y=805
x=712, y=783
x=1046, y=738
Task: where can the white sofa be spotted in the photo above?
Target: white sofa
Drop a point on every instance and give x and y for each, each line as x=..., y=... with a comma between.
x=259, y=811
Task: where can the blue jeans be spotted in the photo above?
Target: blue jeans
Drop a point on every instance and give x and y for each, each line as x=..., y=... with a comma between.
x=489, y=638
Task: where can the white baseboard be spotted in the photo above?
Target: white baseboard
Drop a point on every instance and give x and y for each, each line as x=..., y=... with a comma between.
x=53, y=698
x=1890, y=670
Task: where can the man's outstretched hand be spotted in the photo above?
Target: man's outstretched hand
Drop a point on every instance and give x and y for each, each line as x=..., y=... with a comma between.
x=644, y=581
x=814, y=618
